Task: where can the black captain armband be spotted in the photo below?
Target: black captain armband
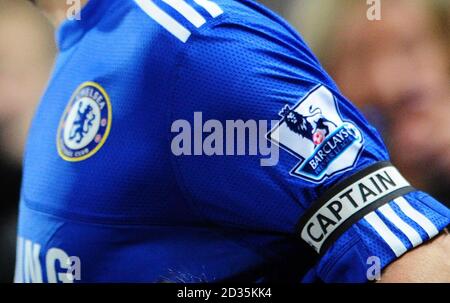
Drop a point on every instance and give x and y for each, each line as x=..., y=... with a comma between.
x=347, y=202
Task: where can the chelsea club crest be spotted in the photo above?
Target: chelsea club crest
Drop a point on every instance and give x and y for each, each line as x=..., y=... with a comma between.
x=85, y=124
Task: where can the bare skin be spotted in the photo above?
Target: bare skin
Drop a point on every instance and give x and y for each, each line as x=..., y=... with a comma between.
x=427, y=263
x=26, y=57
x=56, y=10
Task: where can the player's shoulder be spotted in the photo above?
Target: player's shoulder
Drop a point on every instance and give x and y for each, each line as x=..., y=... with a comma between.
x=182, y=20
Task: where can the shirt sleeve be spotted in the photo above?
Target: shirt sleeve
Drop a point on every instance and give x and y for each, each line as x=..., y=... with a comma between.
x=242, y=87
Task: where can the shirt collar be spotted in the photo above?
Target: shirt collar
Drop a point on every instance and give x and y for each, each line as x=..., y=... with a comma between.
x=72, y=30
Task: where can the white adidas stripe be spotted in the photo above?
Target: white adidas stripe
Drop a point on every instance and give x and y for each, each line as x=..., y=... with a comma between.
x=212, y=8
x=388, y=236
x=187, y=12
x=164, y=19
x=184, y=9
x=18, y=274
x=417, y=217
x=412, y=235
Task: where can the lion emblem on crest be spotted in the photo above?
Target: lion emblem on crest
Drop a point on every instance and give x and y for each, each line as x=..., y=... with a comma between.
x=83, y=123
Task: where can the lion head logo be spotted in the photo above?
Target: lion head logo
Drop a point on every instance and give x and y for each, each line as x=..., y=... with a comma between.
x=313, y=127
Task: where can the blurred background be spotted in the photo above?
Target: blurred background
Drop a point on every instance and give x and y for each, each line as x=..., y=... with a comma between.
x=396, y=70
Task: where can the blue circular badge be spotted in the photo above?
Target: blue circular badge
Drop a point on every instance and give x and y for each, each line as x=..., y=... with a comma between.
x=85, y=124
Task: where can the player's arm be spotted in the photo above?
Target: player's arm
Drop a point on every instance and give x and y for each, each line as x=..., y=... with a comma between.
x=333, y=186
x=427, y=263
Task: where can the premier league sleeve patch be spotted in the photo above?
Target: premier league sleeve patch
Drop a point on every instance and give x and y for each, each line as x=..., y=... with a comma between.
x=85, y=124
x=314, y=132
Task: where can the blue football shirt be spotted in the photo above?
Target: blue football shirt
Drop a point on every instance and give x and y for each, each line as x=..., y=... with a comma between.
x=114, y=191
